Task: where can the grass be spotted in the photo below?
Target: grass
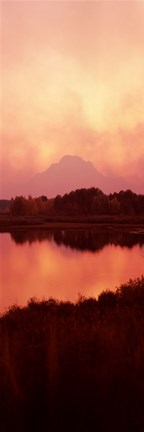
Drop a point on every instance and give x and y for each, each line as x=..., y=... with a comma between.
x=9, y=223
x=74, y=366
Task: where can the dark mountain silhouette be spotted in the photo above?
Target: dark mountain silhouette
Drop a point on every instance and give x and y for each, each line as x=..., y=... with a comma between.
x=71, y=173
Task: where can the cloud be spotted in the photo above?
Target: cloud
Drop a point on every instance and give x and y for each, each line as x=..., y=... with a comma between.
x=72, y=82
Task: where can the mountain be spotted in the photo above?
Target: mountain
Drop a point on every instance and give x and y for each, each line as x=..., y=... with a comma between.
x=71, y=173
x=137, y=183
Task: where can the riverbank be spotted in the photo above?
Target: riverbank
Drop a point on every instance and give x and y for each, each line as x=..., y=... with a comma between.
x=74, y=366
x=10, y=223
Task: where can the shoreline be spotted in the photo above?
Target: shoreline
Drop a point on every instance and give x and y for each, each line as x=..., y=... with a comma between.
x=10, y=223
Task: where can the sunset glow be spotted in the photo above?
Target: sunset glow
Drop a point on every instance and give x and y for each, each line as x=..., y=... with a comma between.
x=72, y=83
x=72, y=215
x=39, y=270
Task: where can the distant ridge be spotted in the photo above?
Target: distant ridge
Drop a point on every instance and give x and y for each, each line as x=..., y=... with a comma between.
x=70, y=173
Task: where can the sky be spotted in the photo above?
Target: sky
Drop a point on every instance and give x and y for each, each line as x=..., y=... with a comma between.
x=71, y=83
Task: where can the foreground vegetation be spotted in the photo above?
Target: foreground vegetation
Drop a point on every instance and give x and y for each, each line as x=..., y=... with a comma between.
x=74, y=366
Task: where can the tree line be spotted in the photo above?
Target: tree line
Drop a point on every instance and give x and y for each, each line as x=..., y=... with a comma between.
x=81, y=202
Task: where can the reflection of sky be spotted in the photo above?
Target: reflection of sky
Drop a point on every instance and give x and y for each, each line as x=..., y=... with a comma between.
x=44, y=270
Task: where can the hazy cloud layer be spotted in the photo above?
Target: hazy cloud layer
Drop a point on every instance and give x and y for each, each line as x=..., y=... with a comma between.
x=72, y=83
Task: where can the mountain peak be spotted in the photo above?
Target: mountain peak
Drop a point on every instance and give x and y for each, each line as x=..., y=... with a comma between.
x=76, y=162
x=71, y=173
x=71, y=159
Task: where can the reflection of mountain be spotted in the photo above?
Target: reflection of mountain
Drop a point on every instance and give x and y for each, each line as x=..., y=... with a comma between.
x=91, y=239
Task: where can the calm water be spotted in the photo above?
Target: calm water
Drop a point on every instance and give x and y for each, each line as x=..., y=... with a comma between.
x=63, y=264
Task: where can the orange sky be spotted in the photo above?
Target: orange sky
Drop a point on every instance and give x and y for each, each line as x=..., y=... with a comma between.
x=72, y=76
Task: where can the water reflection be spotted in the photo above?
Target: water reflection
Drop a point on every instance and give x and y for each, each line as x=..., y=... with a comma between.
x=91, y=239
x=62, y=264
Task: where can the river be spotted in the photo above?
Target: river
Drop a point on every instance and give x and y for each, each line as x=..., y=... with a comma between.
x=66, y=263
